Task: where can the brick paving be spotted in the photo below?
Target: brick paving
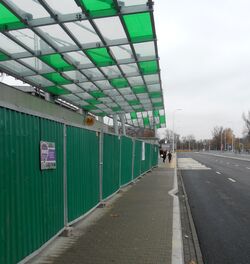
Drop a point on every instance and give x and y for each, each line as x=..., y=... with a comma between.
x=137, y=229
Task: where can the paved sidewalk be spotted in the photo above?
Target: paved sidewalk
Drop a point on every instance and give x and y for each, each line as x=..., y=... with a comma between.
x=136, y=228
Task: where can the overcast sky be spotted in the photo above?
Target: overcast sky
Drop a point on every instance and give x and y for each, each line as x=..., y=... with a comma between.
x=204, y=49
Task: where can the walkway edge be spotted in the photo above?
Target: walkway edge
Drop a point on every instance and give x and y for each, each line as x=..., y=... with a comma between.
x=177, y=245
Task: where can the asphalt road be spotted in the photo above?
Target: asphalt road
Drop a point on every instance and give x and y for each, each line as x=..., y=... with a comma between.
x=220, y=204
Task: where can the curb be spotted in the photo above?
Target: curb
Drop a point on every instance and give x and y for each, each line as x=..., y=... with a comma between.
x=177, y=245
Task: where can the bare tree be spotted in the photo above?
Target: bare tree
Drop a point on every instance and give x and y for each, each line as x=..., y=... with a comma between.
x=246, y=118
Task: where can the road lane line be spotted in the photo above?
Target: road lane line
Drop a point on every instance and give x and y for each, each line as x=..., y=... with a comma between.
x=218, y=172
x=237, y=165
x=247, y=168
x=232, y=180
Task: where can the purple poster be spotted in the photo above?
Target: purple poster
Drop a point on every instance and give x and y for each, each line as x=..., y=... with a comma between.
x=48, y=155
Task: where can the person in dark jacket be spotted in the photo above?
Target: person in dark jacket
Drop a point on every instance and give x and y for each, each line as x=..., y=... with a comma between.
x=169, y=156
x=164, y=155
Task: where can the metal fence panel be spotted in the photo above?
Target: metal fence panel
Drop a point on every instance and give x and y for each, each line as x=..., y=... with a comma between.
x=31, y=202
x=52, y=181
x=126, y=159
x=82, y=171
x=137, y=158
x=111, y=164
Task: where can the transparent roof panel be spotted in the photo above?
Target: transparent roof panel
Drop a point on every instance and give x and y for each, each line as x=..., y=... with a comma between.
x=39, y=80
x=76, y=76
x=111, y=71
x=97, y=8
x=130, y=68
x=37, y=65
x=29, y=8
x=93, y=74
x=10, y=46
x=3, y=56
x=57, y=90
x=57, y=36
x=88, y=86
x=125, y=91
x=8, y=19
x=84, y=32
x=68, y=6
x=117, y=33
x=31, y=40
x=154, y=87
x=16, y=67
x=73, y=88
x=153, y=78
x=134, y=81
x=104, y=85
x=126, y=3
x=145, y=49
x=122, y=52
x=71, y=97
x=79, y=59
x=85, y=96
x=139, y=26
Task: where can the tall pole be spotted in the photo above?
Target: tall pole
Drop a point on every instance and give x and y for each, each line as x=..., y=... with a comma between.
x=225, y=147
x=221, y=140
x=173, y=147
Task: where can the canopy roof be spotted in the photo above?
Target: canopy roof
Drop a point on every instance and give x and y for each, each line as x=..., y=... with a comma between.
x=100, y=55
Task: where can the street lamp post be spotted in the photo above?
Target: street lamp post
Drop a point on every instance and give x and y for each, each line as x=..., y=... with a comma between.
x=173, y=147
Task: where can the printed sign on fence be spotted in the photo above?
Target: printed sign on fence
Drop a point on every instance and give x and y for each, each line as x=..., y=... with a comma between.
x=48, y=155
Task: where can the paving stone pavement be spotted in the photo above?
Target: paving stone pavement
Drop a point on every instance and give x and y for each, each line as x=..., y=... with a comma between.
x=135, y=229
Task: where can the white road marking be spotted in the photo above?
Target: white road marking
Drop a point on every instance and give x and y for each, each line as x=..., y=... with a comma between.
x=237, y=165
x=190, y=164
x=218, y=172
x=247, y=168
x=232, y=180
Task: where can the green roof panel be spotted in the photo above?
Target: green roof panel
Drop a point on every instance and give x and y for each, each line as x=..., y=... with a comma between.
x=134, y=102
x=117, y=108
x=100, y=56
x=89, y=107
x=139, y=26
x=3, y=57
x=56, y=78
x=8, y=21
x=57, y=62
x=133, y=115
x=97, y=8
x=146, y=121
x=156, y=113
x=155, y=95
x=157, y=104
x=119, y=83
x=93, y=101
x=148, y=67
x=139, y=89
x=162, y=119
x=56, y=90
x=98, y=94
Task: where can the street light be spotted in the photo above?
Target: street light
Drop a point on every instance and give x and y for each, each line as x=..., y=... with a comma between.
x=179, y=109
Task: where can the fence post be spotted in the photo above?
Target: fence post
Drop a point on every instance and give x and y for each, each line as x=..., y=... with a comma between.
x=133, y=159
x=100, y=164
x=65, y=187
x=120, y=164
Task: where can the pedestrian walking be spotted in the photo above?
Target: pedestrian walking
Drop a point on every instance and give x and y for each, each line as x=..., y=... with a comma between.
x=164, y=155
x=169, y=156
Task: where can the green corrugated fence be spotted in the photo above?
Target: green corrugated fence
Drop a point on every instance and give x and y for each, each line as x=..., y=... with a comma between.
x=35, y=204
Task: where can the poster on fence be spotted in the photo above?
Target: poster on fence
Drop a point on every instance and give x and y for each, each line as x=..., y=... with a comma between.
x=47, y=155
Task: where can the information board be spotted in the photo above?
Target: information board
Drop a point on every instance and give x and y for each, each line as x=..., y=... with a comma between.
x=48, y=155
